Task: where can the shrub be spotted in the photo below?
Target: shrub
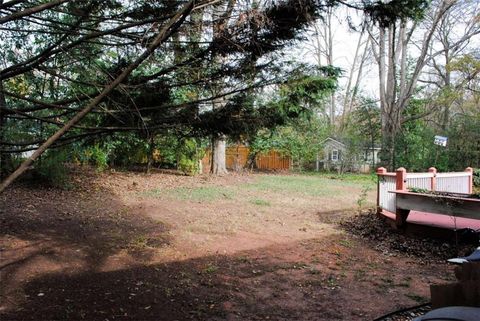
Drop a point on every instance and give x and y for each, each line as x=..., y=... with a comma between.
x=476, y=177
x=126, y=149
x=98, y=158
x=91, y=155
x=51, y=169
x=187, y=166
x=188, y=157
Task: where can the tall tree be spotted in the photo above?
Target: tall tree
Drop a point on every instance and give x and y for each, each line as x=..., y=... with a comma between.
x=119, y=53
x=221, y=14
x=392, y=37
x=160, y=38
x=445, y=80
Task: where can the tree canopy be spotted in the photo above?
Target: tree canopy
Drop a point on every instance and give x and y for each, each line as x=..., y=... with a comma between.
x=84, y=71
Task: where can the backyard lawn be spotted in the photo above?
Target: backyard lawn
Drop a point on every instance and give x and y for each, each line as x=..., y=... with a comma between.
x=130, y=246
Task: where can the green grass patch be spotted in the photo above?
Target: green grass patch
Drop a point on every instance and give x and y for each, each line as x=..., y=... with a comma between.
x=210, y=268
x=260, y=202
x=346, y=243
x=304, y=185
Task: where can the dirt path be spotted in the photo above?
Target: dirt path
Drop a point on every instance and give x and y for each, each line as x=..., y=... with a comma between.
x=164, y=247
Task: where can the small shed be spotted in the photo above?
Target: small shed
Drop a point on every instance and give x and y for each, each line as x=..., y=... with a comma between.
x=333, y=150
x=338, y=155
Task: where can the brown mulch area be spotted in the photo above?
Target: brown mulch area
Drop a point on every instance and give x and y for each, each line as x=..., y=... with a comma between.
x=369, y=226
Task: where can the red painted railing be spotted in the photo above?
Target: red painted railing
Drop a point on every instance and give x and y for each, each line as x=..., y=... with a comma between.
x=453, y=182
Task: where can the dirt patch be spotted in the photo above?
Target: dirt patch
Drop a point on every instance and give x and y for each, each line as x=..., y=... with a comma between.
x=319, y=279
x=108, y=250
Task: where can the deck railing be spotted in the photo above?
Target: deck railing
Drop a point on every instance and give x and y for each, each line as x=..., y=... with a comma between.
x=453, y=182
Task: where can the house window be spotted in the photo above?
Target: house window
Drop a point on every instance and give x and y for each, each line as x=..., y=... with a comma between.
x=334, y=155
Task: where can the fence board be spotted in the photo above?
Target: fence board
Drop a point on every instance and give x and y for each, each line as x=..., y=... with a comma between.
x=386, y=200
x=236, y=157
x=446, y=182
x=273, y=160
x=423, y=182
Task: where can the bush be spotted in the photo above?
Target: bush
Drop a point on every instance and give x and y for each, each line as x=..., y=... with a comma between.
x=187, y=166
x=476, y=177
x=126, y=149
x=98, y=158
x=188, y=157
x=51, y=169
x=168, y=146
x=91, y=155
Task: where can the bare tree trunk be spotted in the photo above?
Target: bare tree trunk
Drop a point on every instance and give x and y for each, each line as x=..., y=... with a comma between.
x=396, y=96
x=359, y=75
x=3, y=158
x=351, y=91
x=386, y=97
x=318, y=45
x=151, y=151
x=219, y=145
x=323, y=47
x=329, y=48
x=163, y=34
x=350, y=77
x=219, y=166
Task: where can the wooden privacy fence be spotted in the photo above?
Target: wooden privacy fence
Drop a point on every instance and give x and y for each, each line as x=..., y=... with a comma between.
x=273, y=160
x=236, y=158
x=454, y=182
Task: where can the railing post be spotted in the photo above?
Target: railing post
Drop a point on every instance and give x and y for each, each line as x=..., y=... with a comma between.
x=380, y=171
x=401, y=214
x=433, y=184
x=470, y=180
x=401, y=179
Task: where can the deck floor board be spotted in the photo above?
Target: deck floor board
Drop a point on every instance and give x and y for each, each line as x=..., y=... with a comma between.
x=438, y=220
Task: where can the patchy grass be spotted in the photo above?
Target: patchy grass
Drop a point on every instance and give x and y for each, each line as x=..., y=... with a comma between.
x=417, y=298
x=260, y=202
x=346, y=243
x=349, y=178
x=210, y=268
x=203, y=193
x=306, y=185
x=326, y=186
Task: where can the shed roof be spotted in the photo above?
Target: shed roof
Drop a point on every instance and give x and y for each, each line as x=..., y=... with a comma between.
x=333, y=140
